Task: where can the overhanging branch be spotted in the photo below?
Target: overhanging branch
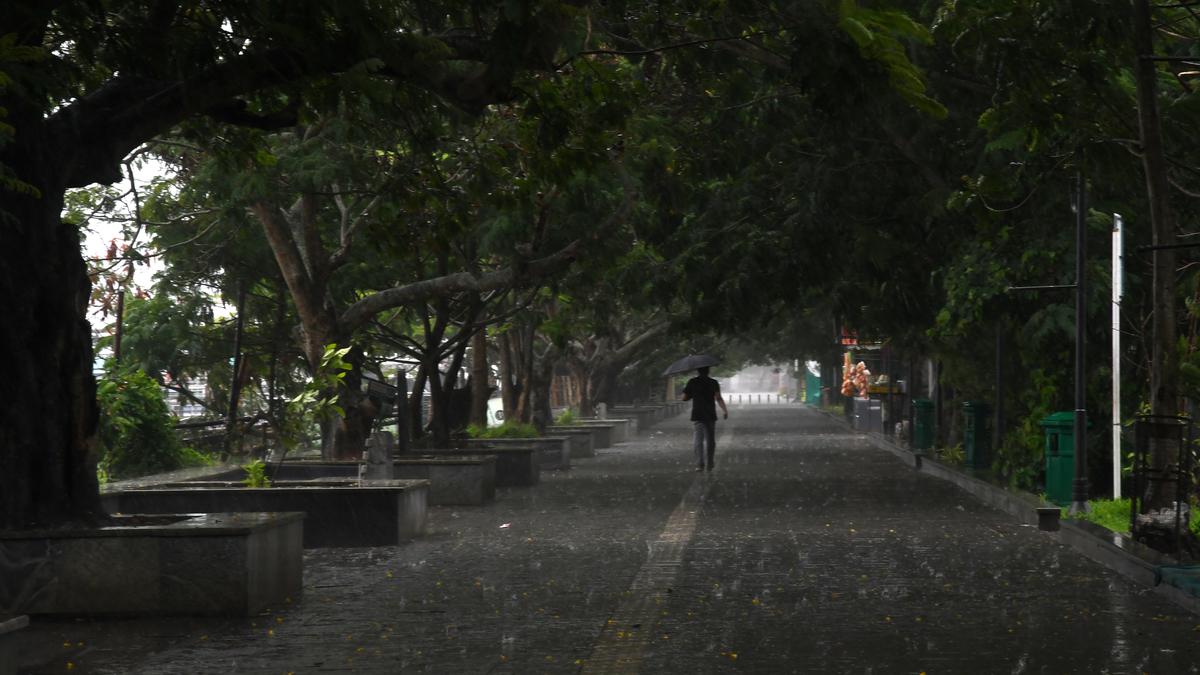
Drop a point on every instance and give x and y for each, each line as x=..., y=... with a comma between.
x=445, y=286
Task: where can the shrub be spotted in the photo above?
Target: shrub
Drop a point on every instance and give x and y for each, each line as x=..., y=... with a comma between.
x=567, y=418
x=506, y=430
x=952, y=455
x=256, y=474
x=137, y=431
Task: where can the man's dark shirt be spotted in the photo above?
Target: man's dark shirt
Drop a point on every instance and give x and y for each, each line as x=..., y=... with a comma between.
x=703, y=392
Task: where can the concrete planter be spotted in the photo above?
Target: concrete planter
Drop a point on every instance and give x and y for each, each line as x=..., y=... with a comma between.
x=468, y=480
x=341, y=512
x=554, y=452
x=453, y=481
x=602, y=434
x=515, y=466
x=583, y=441
x=620, y=429
x=223, y=564
x=646, y=417
x=8, y=643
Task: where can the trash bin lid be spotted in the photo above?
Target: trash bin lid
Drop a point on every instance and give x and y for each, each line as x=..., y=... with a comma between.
x=1065, y=418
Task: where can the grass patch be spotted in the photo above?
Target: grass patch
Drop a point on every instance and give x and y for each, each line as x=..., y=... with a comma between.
x=1112, y=514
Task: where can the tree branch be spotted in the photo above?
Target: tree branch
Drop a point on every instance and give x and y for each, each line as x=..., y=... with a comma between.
x=441, y=287
x=291, y=265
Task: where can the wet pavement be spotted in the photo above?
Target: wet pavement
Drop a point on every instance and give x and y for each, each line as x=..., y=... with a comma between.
x=807, y=550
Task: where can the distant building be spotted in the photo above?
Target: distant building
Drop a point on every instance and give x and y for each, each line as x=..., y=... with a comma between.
x=185, y=407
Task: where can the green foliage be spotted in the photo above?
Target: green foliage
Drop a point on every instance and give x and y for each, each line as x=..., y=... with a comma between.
x=566, y=418
x=1114, y=515
x=256, y=474
x=1108, y=513
x=951, y=455
x=14, y=56
x=1019, y=457
x=318, y=401
x=878, y=34
x=137, y=434
x=507, y=430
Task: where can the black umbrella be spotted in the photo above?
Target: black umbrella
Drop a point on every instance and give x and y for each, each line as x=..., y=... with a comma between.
x=691, y=362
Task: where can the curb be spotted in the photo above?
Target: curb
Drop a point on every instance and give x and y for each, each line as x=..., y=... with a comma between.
x=1115, y=551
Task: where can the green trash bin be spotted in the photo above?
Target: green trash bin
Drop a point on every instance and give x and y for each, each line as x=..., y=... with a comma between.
x=812, y=388
x=977, y=440
x=1060, y=456
x=922, y=439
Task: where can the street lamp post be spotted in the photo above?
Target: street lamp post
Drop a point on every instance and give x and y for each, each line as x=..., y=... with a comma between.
x=1079, y=488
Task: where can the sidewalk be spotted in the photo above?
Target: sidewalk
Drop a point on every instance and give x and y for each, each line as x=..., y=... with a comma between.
x=807, y=550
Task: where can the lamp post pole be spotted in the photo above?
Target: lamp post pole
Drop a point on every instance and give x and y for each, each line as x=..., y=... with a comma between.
x=1079, y=488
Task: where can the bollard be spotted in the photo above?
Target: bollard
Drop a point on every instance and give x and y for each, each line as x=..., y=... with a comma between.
x=1048, y=517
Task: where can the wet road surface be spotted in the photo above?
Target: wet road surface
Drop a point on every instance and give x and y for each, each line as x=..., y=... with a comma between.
x=805, y=551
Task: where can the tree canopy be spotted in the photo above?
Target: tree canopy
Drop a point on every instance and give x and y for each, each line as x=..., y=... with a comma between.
x=550, y=188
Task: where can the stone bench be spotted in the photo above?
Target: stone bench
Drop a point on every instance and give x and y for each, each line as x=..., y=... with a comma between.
x=554, y=452
x=465, y=480
x=515, y=466
x=620, y=429
x=583, y=439
x=9, y=641
x=341, y=512
x=215, y=564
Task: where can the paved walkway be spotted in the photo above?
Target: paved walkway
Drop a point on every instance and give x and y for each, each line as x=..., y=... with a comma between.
x=806, y=551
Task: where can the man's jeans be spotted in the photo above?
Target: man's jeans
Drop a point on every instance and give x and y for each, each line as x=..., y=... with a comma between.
x=704, y=434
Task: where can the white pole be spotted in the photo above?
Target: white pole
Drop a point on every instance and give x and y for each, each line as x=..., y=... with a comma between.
x=1117, y=287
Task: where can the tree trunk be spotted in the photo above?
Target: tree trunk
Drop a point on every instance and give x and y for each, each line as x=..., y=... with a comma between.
x=525, y=374
x=47, y=463
x=603, y=385
x=508, y=376
x=541, y=376
x=581, y=400
x=1164, y=368
x=480, y=386
x=416, y=404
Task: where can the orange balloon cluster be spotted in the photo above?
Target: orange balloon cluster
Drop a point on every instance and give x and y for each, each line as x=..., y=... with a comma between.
x=855, y=379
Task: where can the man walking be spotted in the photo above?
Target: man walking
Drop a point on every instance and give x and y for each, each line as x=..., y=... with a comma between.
x=705, y=393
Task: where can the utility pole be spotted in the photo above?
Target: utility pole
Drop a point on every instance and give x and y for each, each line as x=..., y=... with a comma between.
x=1117, y=289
